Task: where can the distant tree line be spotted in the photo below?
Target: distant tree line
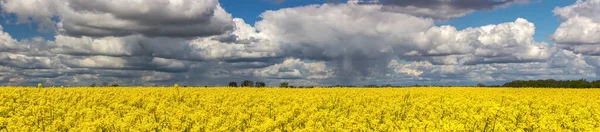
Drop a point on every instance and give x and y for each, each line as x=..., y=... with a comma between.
x=551, y=83
x=248, y=83
x=105, y=84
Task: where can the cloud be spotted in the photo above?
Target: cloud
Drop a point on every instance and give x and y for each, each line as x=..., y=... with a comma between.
x=343, y=34
x=439, y=9
x=245, y=44
x=583, y=8
x=331, y=31
x=580, y=27
x=127, y=63
x=410, y=69
x=563, y=64
x=102, y=38
x=578, y=31
x=7, y=42
x=355, y=39
x=27, y=62
x=503, y=43
x=174, y=18
x=295, y=69
x=199, y=43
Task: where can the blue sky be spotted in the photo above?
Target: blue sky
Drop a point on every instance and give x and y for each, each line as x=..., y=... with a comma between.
x=22, y=31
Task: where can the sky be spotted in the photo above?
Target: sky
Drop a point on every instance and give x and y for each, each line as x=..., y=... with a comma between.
x=303, y=42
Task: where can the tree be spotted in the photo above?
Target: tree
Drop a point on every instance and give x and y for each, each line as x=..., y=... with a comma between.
x=115, y=85
x=371, y=86
x=260, y=84
x=233, y=84
x=93, y=85
x=480, y=85
x=247, y=83
x=551, y=83
x=284, y=85
x=104, y=84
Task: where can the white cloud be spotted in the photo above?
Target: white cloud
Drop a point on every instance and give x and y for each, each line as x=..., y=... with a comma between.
x=36, y=10
x=582, y=8
x=157, y=76
x=503, y=43
x=296, y=69
x=331, y=31
x=7, y=42
x=28, y=62
x=113, y=46
x=355, y=32
x=563, y=64
x=98, y=62
x=580, y=29
x=409, y=69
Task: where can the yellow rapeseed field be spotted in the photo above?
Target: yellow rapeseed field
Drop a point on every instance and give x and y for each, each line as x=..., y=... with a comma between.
x=318, y=109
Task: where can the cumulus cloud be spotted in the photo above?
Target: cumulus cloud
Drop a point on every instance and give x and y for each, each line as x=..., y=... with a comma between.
x=355, y=38
x=198, y=42
x=100, y=36
x=7, y=42
x=439, y=9
x=127, y=63
x=295, y=69
x=409, y=69
x=578, y=31
x=580, y=27
x=503, y=43
x=563, y=64
x=176, y=18
x=27, y=62
x=245, y=43
x=347, y=35
x=584, y=8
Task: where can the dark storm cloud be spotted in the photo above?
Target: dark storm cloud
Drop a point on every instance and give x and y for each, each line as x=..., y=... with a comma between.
x=457, y=4
x=439, y=9
x=187, y=18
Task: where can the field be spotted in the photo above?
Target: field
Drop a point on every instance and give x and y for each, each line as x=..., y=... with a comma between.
x=318, y=109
